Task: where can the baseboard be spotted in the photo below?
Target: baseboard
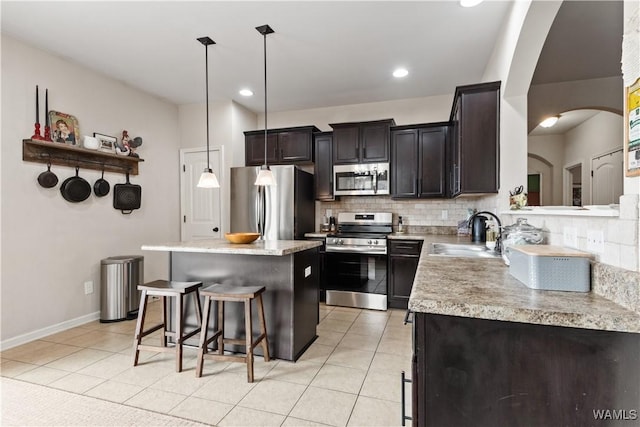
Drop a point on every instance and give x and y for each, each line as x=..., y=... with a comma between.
x=49, y=330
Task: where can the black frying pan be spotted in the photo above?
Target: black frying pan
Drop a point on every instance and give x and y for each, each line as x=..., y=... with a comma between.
x=48, y=179
x=75, y=189
x=101, y=187
x=127, y=196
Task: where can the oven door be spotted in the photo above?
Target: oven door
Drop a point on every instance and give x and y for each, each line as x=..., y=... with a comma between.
x=356, y=280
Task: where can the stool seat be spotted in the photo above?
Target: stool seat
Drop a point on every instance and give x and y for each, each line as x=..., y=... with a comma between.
x=225, y=292
x=228, y=293
x=166, y=289
x=170, y=287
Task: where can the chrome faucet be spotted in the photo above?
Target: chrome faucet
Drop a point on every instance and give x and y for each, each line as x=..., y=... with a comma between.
x=498, y=247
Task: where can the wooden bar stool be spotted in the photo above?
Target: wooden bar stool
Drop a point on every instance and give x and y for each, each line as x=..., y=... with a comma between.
x=222, y=294
x=166, y=289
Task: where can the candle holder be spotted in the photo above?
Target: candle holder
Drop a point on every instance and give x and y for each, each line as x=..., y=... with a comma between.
x=36, y=133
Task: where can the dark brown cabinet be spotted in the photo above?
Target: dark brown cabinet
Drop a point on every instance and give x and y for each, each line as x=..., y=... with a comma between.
x=323, y=165
x=475, y=148
x=477, y=372
x=284, y=146
x=361, y=142
x=418, y=160
x=403, y=263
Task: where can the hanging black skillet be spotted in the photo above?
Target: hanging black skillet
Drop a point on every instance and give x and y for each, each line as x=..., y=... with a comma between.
x=75, y=189
x=127, y=196
x=48, y=179
x=101, y=187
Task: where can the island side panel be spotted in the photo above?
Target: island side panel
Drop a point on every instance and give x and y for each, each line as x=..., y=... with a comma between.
x=275, y=273
x=306, y=305
x=474, y=372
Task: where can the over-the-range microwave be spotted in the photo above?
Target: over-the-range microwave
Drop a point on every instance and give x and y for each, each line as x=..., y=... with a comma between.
x=363, y=179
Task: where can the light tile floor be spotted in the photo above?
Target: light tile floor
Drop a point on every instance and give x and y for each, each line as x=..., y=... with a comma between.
x=350, y=376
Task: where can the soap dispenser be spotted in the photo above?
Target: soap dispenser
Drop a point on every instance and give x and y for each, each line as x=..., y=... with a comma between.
x=400, y=225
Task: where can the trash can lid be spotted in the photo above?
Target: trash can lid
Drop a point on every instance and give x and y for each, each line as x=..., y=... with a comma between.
x=121, y=259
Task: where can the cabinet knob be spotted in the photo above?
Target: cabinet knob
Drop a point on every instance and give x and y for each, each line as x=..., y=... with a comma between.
x=216, y=229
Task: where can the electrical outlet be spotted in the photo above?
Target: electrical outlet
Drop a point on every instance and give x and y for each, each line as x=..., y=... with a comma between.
x=570, y=237
x=329, y=212
x=88, y=287
x=444, y=214
x=595, y=241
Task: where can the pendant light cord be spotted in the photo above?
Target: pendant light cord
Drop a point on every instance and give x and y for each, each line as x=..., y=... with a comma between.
x=206, y=83
x=265, y=98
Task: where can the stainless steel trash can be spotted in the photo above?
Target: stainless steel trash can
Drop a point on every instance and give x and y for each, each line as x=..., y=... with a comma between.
x=119, y=280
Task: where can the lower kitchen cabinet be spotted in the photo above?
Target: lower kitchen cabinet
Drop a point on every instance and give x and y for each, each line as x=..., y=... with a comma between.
x=403, y=263
x=322, y=276
x=477, y=372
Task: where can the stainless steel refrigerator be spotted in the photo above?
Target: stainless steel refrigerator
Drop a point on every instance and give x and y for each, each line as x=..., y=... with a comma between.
x=282, y=212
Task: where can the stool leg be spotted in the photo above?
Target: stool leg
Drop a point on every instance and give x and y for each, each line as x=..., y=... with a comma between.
x=263, y=329
x=248, y=338
x=163, y=338
x=196, y=296
x=178, y=333
x=221, y=327
x=202, y=348
x=137, y=339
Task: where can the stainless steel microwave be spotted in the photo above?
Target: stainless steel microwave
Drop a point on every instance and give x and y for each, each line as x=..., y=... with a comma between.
x=368, y=179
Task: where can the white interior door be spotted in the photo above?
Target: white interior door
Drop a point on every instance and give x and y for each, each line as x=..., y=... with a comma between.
x=607, y=177
x=200, y=207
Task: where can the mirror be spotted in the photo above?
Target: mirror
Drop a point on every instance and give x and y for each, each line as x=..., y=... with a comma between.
x=578, y=78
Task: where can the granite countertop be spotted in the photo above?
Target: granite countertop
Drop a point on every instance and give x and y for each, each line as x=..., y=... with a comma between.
x=484, y=289
x=222, y=246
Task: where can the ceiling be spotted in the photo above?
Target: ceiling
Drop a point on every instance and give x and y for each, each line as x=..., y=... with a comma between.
x=321, y=54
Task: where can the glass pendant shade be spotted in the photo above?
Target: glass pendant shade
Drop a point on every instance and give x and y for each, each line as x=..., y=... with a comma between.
x=265, y=177
x=208, y=179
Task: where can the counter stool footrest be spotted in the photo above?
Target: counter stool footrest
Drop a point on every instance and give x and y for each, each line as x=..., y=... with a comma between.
x=151, y=330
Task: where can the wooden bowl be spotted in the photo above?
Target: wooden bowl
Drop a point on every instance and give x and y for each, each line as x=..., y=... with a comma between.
x=241, y=237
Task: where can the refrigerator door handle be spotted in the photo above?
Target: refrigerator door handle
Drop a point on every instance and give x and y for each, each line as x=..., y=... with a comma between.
x=258, y=210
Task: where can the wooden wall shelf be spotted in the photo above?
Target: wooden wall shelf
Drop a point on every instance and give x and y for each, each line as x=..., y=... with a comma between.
x=72, y=156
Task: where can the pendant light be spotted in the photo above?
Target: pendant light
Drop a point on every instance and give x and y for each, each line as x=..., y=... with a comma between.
x=208, y=179
x=265, y=176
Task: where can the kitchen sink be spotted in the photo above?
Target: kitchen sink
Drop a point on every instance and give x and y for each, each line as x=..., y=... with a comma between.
x=462, y=250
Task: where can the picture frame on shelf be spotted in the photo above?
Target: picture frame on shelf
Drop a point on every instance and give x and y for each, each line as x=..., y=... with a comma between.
x=107, y=143
x=64, y=128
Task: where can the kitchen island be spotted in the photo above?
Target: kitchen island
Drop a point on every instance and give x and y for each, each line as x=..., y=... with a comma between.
x=489, y=351
x=288, y=270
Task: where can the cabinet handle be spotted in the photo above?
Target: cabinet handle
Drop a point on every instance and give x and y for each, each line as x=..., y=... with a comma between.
x=406, y=317
x=403, y=382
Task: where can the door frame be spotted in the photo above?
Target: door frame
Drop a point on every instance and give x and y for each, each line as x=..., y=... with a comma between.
x=221, y=180
x=567, y=183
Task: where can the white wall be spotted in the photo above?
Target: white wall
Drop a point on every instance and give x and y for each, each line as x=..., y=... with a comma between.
x=50, y=247
x=405, y=111
x=551, y=149
x=600, y=134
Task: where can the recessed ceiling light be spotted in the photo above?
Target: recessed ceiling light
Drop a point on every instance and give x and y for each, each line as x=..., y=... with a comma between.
x=400, y=72
x=470, y=3
x=246, y=92
x=549, y=121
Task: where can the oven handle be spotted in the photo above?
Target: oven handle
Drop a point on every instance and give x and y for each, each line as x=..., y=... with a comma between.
x=343, y=249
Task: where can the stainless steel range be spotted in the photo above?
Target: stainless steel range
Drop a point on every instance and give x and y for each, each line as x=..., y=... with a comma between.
x=356, y=261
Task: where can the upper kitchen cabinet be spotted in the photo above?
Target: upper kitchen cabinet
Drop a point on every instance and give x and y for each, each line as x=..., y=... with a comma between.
x=475, y=148
x=361, y=142
x=418, y=160
x=323, y=165
x=284, y=146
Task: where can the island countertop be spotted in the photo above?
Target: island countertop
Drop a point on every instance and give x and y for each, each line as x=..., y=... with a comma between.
x=484, y=289
x=222, y=246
